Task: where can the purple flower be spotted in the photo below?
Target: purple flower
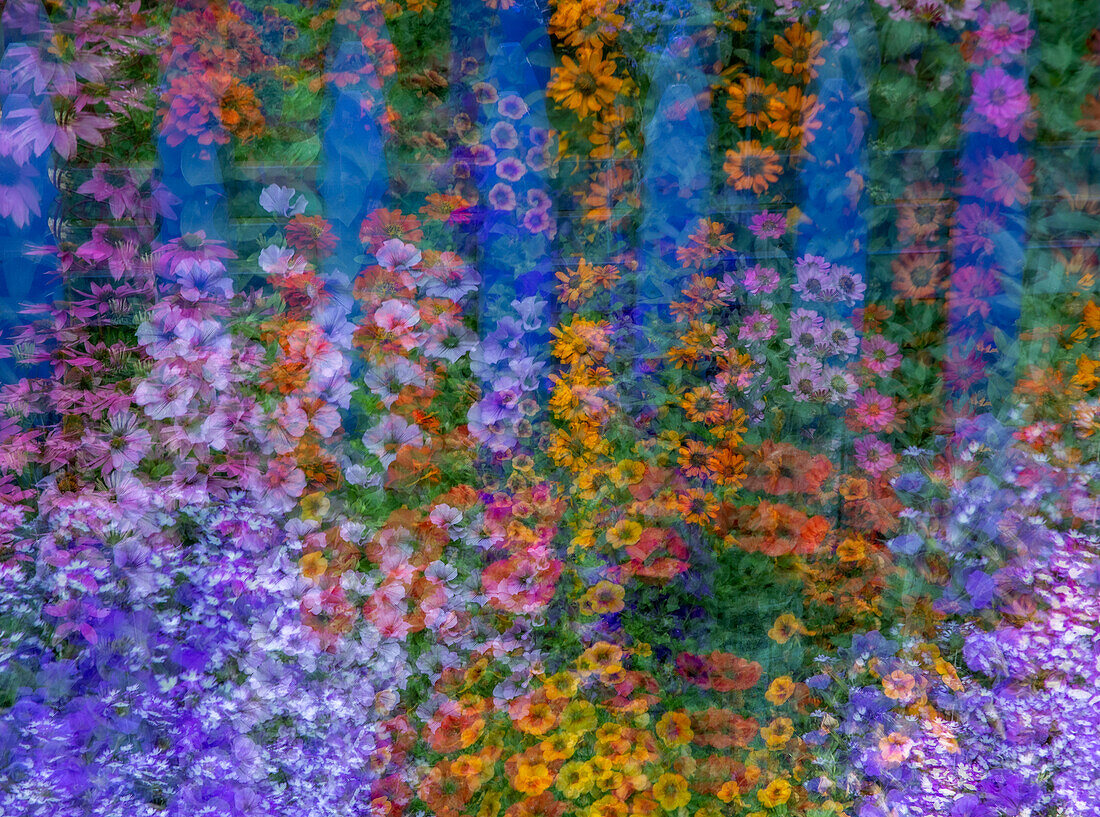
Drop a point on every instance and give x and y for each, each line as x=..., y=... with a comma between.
x=203, y=279
x=389, y=436
x=504, y=135
x=1000, y=98
x=512, y=107
x=19, y=197
x=280, y=200
x=502, y=197
x=511, y=169
x=768, y=225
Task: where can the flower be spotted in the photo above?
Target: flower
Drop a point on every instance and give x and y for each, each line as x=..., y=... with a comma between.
x=752, y=166
x=1000, y=98
x=280, y=200
x=786, y=626
x=780, y=690
x=674, y=728
x=874, y=456
x=671, y=791
x=768, y=225
x=775, y=793
x=748, y=102
x=383, y=225
x=587, y=84
x=799, y=52
x=310, y=234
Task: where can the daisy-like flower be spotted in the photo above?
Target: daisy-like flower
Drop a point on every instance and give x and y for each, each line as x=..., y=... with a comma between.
x=874, y=411
x=839, y=338
x=118, y=190
x=311, y=234
x=587, y=84
x=840, y=382
x=848, y=284
x=19, y=197
x=1000, y=98
x=389, y=436
x=799, y=52
x=126, y=443
x=814, y=277
x=751, y=166
x=768, y=225
x=804, y=380
x=758, y=326
x=880, y=355
x=874, y=456
x=748, y=102
x=760, y=280
x=383, y=225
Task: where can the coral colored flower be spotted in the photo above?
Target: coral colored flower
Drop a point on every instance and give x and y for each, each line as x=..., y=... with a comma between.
x=874, y=411
x=310, y=234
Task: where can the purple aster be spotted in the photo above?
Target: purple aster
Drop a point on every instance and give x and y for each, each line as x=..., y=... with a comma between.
x=768, y=225
x=761, y=280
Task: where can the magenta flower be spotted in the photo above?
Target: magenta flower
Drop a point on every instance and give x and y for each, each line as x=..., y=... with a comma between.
x=768, y=225
x=1002, y=33
x=127, y=442
x=976, y=227
x=880, y=355
x=120, y=193
x=758, y=326
x=166, y=392
x=874, y=456
x=1000, y=98
x=761, y=280
x=282, y=483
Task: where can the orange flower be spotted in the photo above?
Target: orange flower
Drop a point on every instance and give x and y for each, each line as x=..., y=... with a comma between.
x=780, y=690
x=799, y=52
x=671, y=791
x=674, y=728
x=752, y=166
x=794, y=115
x=748, y=102
x=604, y=597
x=587, y=84
x=785, y=628
x=919, y=273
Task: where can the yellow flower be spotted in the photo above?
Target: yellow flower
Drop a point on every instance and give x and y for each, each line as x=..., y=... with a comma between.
x=628, y=472
x=574, y=779
x=785, y=628
x=532, y=778
x=315, y=506
x=674, y=728
x=851, y=550
x=671, y=791
x=560, y=685
x=609, y=806
x=780, y=690
x=559, y=746
x=313, y=564
x=624, y=533
x=490, y=804
x=605, y=597
x=775, y=794
x=778, y=732
x=578, y=718
x=1086, y=376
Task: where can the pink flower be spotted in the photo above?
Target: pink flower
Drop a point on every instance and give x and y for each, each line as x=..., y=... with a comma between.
x=761, y=280
x=1007, y=180
x=502, y=197
x=874, y=456
x=512, y=107
x=120, y=193
x=166, y=392
x=874, y=411
x=511, y=169
x=758, y=326
x=282, y=483
x=880, y=355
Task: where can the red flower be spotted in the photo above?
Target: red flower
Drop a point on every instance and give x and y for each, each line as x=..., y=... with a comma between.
x=310, y=233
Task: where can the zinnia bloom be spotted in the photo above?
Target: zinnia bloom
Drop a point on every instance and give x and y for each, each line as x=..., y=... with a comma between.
x=586, y=85
x=748, y=102
x=752, y=167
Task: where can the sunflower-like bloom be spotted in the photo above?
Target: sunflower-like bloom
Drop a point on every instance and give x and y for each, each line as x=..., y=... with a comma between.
x=752, y=166
x=586, y=85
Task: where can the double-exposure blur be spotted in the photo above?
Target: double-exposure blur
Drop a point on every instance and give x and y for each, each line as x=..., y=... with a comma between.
x=549, y=408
